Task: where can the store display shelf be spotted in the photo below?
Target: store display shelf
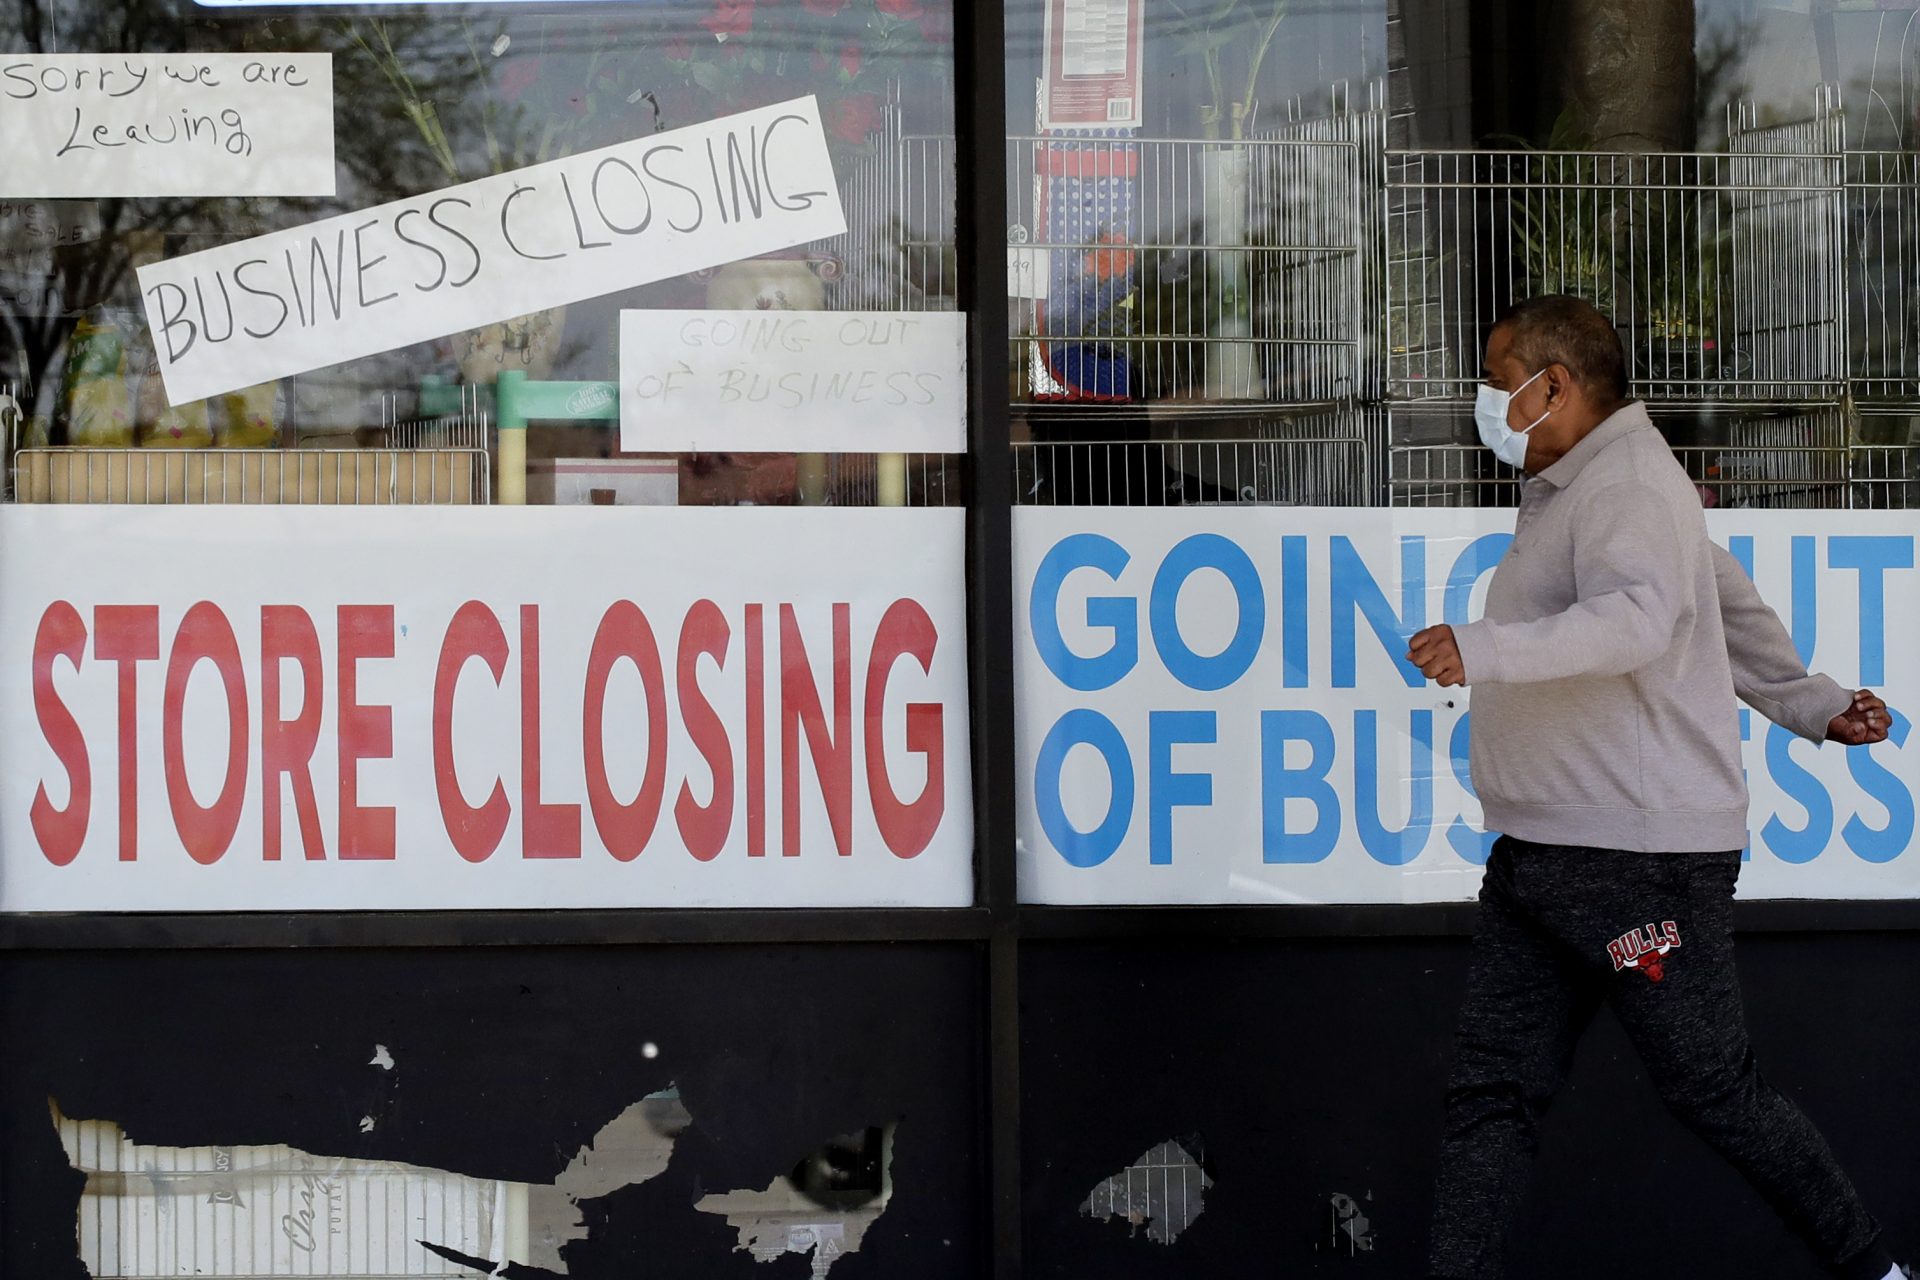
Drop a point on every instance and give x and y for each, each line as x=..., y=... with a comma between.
x=363, y=477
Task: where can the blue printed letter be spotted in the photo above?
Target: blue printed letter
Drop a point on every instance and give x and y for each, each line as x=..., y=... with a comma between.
x=1394, y=848
x=1207, y=551
x=1165, y=788
x=1279, y=784
x=1084, y=848
x=1120, y=614
x=1355, y=589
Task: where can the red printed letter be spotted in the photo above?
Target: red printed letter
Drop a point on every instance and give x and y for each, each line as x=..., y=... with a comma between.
x=204, y=635
x=287, y=746
x=756, y=734
x=546, y=830
x=128, y=634
x=60, y=832
x=624, y=633
x=473, y=633
x=366, y=733
x=907, y=828
x=832, y=753
x=704, y=830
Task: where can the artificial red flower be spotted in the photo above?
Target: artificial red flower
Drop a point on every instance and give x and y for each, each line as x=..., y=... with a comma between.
x=850, y=60
x=729, y=18
x=936, y=26
x=518, y=78
x=823, y=8
x=820, y=62
x=678, y=49
x=852, y=118
x=578, y=103
x=908, y=9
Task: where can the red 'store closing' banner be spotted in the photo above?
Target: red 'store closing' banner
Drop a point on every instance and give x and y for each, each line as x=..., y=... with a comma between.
x=258, y=708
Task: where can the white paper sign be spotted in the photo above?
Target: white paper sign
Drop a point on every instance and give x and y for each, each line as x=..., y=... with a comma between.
x=710, y=708
x=449, y=260
x=1028, y=272
x=1212, y=705
x=780, y=381
x=167, y=124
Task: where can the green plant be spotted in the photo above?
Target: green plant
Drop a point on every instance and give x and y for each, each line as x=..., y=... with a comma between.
x=1606, y=228
x=523, y=102
x=1217, y=37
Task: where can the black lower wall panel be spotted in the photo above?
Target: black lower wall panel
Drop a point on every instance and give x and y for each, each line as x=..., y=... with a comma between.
x=1312, y=1069
x=506, y=1061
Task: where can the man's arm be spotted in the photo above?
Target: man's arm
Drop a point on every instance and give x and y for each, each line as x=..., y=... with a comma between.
x=1632, y=588
x=1767, y=671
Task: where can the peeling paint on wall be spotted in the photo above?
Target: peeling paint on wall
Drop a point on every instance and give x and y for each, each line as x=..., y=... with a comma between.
x=1349, y=1226
x=279, y=1211
x=266, y=1210
x=633, y=1147
x=1164, y=1191
x=825, y=1206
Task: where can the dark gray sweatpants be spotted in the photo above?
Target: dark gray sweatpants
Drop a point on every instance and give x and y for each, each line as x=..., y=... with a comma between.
x=1562, y=929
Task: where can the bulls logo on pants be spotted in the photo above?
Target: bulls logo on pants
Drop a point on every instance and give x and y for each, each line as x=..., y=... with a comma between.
x=1645, y=949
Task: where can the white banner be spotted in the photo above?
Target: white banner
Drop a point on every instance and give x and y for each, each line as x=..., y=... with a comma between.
x=258, y=708
x=1212, y=706
x=783, y=381
x=544, y=236
x=167, y=124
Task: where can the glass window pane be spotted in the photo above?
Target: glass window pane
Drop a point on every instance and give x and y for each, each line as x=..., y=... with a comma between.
x=427, y=98
x=1194, y=209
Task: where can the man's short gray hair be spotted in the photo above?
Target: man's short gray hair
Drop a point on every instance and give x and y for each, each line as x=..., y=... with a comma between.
x=1556, y=328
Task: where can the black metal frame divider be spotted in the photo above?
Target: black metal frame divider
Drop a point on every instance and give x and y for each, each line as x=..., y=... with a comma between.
x=997, y=921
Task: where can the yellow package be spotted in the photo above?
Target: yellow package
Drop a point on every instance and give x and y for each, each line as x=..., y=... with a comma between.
x=249, y=418
x=99, y=403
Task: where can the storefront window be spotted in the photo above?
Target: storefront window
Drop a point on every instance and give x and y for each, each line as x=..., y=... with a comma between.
x=431, y=332
x=1193, y=204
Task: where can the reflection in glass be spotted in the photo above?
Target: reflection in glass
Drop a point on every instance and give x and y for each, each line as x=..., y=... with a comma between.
x=428, y=97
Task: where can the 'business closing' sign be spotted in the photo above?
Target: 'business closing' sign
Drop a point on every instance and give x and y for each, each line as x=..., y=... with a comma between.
x=556, y=233
x=308, y=721
x=1212, y=704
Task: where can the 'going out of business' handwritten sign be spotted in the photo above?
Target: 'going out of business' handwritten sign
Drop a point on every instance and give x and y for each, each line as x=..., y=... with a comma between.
x=166, y=124
x=545, y=236
x=780, y=381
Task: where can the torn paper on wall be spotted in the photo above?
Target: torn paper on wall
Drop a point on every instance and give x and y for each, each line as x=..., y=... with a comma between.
x=824, y=1207
x=1164, y=1191
x=259, y=1211
x=1351, y=1229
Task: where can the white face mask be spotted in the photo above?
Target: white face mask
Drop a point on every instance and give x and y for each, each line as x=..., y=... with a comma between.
x=1490, y=405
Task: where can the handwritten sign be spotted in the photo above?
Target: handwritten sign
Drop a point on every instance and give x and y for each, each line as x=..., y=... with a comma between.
x=174, y=124
x=1028, y=270
x=551, y=234
x=779, y=381
x=47, y=224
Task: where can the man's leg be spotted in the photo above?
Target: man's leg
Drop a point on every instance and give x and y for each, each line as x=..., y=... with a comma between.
x=1526, y=1005
x=1679, y=999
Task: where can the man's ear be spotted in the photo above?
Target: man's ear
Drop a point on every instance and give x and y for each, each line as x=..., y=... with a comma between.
x=1559, y=381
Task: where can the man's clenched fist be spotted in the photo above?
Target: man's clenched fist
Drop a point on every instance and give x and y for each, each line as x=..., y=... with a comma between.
x=1438, y=657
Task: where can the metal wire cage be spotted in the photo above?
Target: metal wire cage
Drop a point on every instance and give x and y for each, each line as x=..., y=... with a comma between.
x=1883, y=273
x=1189, y=269
x=1722, y=270
x=1316, y=456
x=1760, y=457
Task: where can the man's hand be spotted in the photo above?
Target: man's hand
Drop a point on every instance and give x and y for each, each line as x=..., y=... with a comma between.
x=1862, y=723
x=1438, y=657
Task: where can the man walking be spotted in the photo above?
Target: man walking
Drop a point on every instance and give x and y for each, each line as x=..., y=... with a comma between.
x=1606, y=750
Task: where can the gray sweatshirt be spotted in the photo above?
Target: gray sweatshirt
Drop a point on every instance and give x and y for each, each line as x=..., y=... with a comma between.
x=1615, y=638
